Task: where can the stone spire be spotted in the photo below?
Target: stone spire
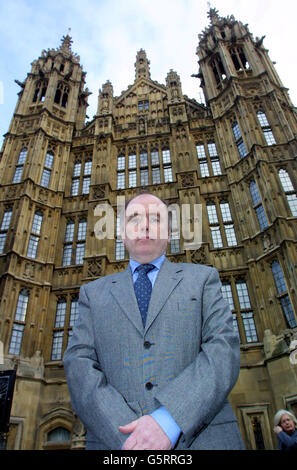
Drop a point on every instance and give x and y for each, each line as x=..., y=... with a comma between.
x=66, y=43
x=142, y=65
x=213, y=15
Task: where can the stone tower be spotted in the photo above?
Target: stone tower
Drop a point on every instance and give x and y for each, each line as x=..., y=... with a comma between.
x=34, y=171
x=255, y=123
x=236, y=157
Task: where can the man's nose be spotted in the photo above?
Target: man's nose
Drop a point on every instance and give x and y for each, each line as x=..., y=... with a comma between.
x=144, y=225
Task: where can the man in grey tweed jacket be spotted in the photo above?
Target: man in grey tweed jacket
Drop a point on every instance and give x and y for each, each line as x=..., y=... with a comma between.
x=162, y=385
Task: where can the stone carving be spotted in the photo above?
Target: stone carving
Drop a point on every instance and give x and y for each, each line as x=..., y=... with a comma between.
x=99, y=192
x=187, y=179
x=78, y=435
x=94, y=267
x=198, y=256
x=29, y=270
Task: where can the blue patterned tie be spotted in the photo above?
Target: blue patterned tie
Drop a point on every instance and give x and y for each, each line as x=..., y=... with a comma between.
x=143, y=289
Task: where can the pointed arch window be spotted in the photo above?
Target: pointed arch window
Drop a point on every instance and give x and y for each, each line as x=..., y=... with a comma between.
x=203, y=165
x=228, y=223
x=208, y=159
x=40, y=91
x=59, y=435
x=47, y=169
x=258, y=207
x=283, y=295
x=239, y=140
x=74, y=248
x=5, y=224
x=214, y=225
x=289, y=190
x=228, y=296
x=239, y=59
x=66, y=316
x=119, y=245
x=62, y=93
x=218, y=69
x=214, y=158
x=20, y=166
x=58, y=333
x=73, y=311
x=219, y=225
x=81, y=178
x=144, y=167
x=247, y=314
x=167, y=167
x=19, y=323
x=35, y=235
x=268, y=134
x=87, y=177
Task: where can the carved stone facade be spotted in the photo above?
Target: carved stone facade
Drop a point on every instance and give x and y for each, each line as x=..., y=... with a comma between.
x=236, y=156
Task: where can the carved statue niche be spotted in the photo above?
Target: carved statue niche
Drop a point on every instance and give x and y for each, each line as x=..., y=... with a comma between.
x=173, y=86
x=105, y=98
x=141, y=126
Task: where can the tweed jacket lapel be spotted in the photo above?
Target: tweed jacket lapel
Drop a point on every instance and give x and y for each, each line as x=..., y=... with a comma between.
x=168, y=278
x=123, y=291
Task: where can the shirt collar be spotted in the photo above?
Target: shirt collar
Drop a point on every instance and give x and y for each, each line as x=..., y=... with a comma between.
x=156, y=262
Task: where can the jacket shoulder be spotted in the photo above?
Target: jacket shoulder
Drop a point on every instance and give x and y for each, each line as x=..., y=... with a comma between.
x=101, y=281
x=193, y=268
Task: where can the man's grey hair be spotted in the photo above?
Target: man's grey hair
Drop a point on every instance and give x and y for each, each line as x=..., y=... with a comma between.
x=280, y=413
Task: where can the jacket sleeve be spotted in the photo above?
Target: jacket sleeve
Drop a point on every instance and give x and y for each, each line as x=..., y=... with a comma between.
x=288, y=442
x=199, y=392
x=100, y=406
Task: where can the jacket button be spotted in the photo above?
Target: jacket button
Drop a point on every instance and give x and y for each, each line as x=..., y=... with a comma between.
x=149, y=385
x=147, y=344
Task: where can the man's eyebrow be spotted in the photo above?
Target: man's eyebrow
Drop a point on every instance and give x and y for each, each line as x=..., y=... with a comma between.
x=132, y=215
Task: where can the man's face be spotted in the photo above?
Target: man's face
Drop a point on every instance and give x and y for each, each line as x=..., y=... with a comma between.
x=287, y=423
x=146, y=234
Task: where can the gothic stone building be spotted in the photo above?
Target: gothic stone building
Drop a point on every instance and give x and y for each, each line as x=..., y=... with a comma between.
x=234, y=155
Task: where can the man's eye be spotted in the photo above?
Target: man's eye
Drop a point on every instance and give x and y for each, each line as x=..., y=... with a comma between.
x=134, y=220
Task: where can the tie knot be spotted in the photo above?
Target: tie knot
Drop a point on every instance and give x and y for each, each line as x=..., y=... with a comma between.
x=145, y=268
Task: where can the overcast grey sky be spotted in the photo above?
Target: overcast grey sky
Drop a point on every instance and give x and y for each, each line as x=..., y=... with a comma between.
x=108, y=33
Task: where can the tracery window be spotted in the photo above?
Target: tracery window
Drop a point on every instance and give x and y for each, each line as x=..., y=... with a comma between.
x=258, y=206
x=268, y=134
x=81, y=177
x=218, y=69
x=246, y=311
x=35, y=234
x=66, y=316
x=283, y=295
x=237, y=296
x=62, y=93
x=19, y=323
x=40, y=91
x=239, y=140
x=208, y=159
x=219, y=225
x=239, y=58
x=47, y=170
x=74, y=242
x=5, y=224
x=143, y=167
x=20, y=166
x=119, y=245
x=289, y=190
x=143, y=105
x=59, y=435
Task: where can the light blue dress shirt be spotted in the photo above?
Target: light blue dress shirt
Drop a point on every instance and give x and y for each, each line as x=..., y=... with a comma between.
x=161, y=415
